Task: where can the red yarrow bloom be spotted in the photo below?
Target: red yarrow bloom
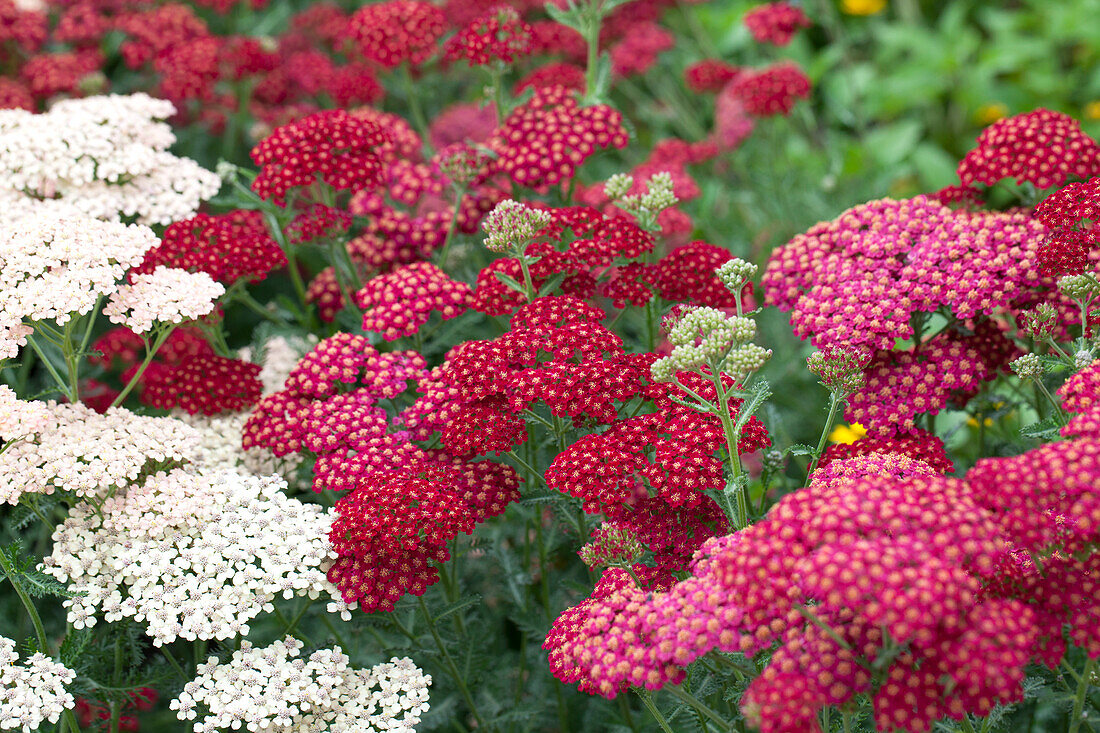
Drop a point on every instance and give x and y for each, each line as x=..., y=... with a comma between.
x=709, y=75
x=1073, y=215
x=399, y=303
x=334, y=147
x=775, y=23
x=545, y=140
x=397, y=31
x=205, y=383
x=499, y=35
x=228, y=247
x=773, y=90
x=1040, y=147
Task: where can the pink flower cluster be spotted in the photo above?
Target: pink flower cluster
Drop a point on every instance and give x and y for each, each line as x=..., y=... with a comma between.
x=881, y=578
x=775, y=23
x=1073, y=216
x=399, y=303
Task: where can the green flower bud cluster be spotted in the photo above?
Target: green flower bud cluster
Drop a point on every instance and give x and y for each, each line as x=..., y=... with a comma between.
x=707, y=337
x=1028, y=366
x=1082, y=359
x=645, y=207
x=511, y=225
x=1079, y=287
x=736, y=273
x=840, y=370
x=611, y=545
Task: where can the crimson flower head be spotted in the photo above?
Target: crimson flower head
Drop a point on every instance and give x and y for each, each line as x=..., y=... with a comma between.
x=397, y=31
x=773, y=90
x=333, y=146
x=775, y=23
x=1073, y=215
x=229, y=247
x=1040, y=147
x=499, y=35
x=709, y=75
x=400, y=302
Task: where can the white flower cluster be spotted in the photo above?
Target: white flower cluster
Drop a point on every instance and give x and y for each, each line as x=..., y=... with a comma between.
x=33, y=692
x=56, y=261
x=195, y=555
x=107, y=155
x=220, y=447
x=20, y=418
x=280, y=356
x=272, y=689
x=167, y=294
x=73, y=448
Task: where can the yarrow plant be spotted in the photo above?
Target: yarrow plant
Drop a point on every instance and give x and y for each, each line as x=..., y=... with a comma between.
x=464, y=370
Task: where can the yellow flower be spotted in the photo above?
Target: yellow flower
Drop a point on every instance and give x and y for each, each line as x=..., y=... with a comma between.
x=847, y=433
x=1092, y=110
x=987, y=114
x=862, y=7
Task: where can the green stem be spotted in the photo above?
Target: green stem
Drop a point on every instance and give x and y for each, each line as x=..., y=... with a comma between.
x=62, y=384
x=966, y=725
x=528, y=284
x=276, y=229
x=150, y=351
x=459, y=192
x=592, y=23
x=1077, y=715
x=731, y=433
x=687, y=698
x=414, y=107
x=36, y=620
x=496, y=75
x=458, y=677
x=1059, y=414
x=834, y=403
x=116, y=709
x=647, y=700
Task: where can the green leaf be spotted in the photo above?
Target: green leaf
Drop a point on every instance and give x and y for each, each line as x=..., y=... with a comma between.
x=799, y=449
x=510, y=281
x=38, y=584
x=756, y=396
x=457, y=606
x=893, y=143
x=551, y=284
x=1043, y=430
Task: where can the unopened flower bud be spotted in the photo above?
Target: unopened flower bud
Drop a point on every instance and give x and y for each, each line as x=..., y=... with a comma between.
x=1082, y=359
x=747, y=358
x=461, y=163
x=511, y=225
x=662, y=370
x=1028, y=366
x=618, y=185
x=840, y=370
x=735, y=273
x=1039, y=322
x=659, y=194
x=1077, y=287
x=611, y=544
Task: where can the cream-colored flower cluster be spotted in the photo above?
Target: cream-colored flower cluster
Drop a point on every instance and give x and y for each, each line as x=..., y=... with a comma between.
x=220, y=447
x=274, y=690
x=32, y=692
x=106, y=155
x=193, y=554
x=165, y=295
x=66, y=447
x=56, y=261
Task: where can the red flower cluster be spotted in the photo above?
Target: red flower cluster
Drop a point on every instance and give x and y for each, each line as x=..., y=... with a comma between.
x=399, y=303
x=772, y=90
x=637, y=53
x=229, y=247
x=1073, y=216
x=397, y=31
x=1081, y=395
x=204, y=383
x=775, y=23
x=593, y=241
x=394, y=525
x=1041, y=147
x=546, y=139
x=318, y=222
x=500, y=35
x=332, y=146
x=709, y=75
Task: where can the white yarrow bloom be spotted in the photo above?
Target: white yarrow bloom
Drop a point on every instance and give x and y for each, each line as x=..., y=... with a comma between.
x=165, y=295
x=107, y=155
x=55, y=261
x=33, y=692
x=193, y=555
x=67, y=447
x=272, y=689
x=220, y=447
